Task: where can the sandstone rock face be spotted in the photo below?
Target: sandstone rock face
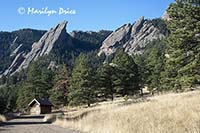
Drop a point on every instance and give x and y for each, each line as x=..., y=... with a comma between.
x=43, y=47
x=45, y=44
x=116, y=40
x=132, y=38
x=166, y=16
x=16, y=51
x=19, y=58
x=14, y=41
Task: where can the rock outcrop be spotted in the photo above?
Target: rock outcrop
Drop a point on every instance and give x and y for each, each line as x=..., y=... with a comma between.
x=16, y=51
x=43, y=47
x=166, y=16
x=19, y=58
x=132, y=38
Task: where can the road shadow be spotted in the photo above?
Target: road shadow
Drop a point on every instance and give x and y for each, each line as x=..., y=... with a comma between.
x=22, y=123
x=25, y=121
x=30, y=117
x=3, y=130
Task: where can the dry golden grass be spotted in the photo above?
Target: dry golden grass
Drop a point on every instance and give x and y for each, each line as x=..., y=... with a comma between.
x=49, y=118
x=2, y=118
x=169, y=113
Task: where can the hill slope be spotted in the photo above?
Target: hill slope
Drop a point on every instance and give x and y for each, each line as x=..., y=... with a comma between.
x=167, y=113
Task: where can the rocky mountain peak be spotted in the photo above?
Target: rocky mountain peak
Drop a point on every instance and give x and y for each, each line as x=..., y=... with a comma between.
x=43, y=47
x=46, y=43
x=132, y=38
x=115, y=39
x=137, y=26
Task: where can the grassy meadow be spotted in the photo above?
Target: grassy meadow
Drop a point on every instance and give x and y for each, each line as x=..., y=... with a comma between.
x=167, y=113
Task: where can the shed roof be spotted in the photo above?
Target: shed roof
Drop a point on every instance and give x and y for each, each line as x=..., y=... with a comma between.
x=43, y=101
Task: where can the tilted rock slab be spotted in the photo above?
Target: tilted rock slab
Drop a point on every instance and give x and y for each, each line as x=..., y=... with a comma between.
x=43, y=47
x=132, y=38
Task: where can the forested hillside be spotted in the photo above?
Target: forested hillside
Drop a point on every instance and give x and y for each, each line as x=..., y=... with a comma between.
x=9, y=41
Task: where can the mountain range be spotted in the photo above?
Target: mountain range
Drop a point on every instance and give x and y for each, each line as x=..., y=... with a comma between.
x=19, y=48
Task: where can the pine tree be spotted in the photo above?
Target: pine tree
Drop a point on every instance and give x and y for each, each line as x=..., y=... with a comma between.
x=183, y=60
x=151, y=64
x=106, y=81
x=37, y=85
x=81, y=90
x=59, y=93
x=154, y=65
x=40, y=79
x=8, y=99
x=127, y=76
x=26, y=94
x=3, y=80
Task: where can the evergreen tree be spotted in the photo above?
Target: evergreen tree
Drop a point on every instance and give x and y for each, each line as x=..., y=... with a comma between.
x=40, y=79
x=81, y=90
x=26, y=94
x=127, y=76
x=106, y=81
x=2, y=104
x=3, y=80
x=183, y=52
x=154, y=64
x=59, y=93
x=37, y=85
x=8, y=99
x=151, y=64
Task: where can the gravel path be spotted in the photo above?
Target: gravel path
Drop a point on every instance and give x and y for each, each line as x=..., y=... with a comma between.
x=31, y=124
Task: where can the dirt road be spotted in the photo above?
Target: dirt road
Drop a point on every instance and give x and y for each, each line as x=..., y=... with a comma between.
x=31, y=124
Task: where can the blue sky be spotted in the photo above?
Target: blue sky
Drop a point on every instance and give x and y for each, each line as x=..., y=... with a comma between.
x=90, y=14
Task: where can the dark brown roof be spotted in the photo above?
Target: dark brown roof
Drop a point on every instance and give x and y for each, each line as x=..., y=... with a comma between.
x=43, y=101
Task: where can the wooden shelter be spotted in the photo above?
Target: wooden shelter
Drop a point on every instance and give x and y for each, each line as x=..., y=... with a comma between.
x=40, y=106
